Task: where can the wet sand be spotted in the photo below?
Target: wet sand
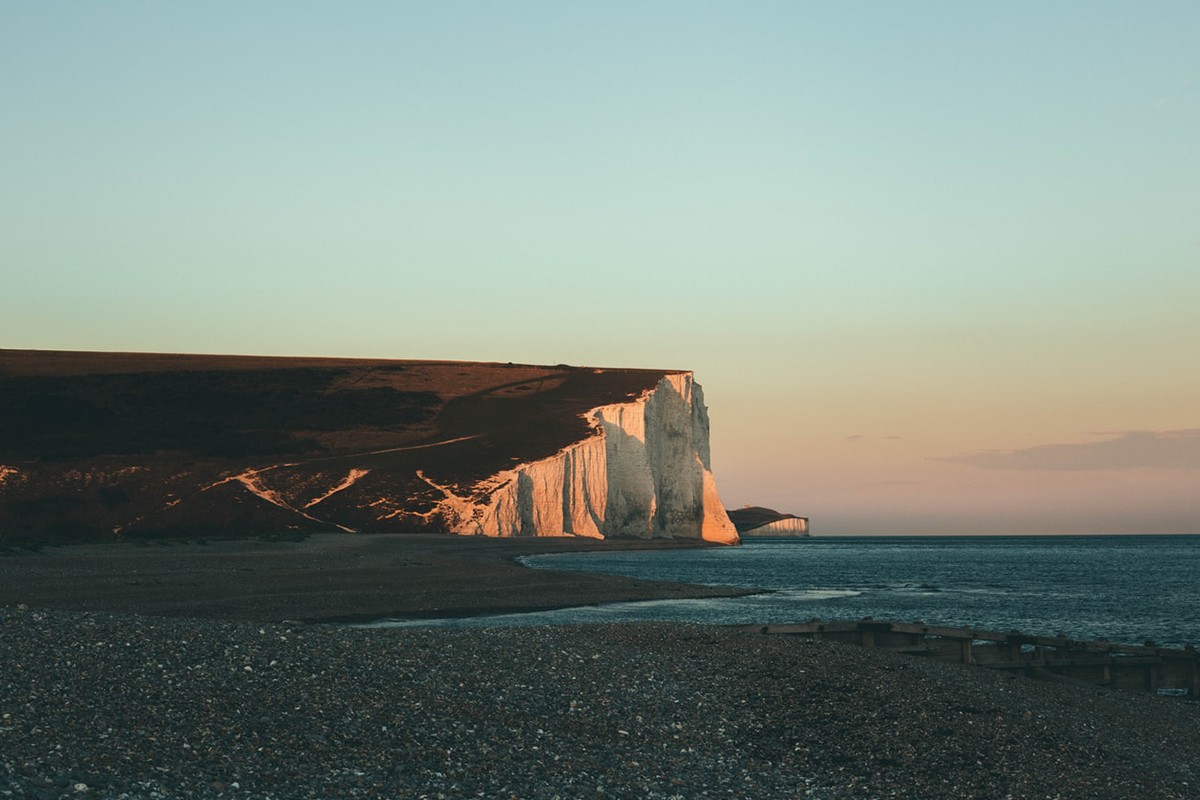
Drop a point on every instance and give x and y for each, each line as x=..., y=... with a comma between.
x=325, y=577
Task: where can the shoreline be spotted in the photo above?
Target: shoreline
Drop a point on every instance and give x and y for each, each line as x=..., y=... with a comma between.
x=148, y=672
x=329, y=578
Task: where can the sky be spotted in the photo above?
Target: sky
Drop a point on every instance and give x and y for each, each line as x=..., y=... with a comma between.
x=936, y=264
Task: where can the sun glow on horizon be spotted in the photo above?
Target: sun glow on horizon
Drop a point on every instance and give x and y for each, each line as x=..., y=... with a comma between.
x=935, y=266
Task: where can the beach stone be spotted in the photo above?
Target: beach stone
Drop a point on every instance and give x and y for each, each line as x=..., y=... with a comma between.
x=666, y=711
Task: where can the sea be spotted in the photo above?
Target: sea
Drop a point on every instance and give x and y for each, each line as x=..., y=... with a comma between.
x=1129, y=589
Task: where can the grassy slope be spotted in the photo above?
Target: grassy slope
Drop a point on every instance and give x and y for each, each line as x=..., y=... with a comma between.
x=131, y=441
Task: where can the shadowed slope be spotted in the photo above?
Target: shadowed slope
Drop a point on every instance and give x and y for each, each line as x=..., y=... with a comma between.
x=151, y=444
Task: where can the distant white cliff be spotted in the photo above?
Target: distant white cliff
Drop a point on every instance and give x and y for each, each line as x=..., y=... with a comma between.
x=645, y=472
x=753, y=521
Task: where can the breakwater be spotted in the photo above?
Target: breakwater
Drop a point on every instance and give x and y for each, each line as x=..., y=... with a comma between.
x=1098, y=662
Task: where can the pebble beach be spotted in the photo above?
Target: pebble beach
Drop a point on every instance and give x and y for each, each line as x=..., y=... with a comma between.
x=185, y=671
x=125, y=706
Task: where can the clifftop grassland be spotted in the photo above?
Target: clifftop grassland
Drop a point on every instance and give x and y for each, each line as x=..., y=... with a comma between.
x=95, y=446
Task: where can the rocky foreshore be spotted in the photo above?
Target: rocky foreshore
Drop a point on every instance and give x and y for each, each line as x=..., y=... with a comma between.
x=124, y=706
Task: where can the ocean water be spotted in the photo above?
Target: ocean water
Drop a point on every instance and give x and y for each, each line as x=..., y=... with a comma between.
x=1125, y=588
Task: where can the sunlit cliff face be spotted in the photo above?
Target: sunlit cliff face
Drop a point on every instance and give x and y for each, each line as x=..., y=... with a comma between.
x=644, y=473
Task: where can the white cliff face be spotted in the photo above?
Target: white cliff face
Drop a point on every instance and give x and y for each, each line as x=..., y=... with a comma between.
x=645, y=472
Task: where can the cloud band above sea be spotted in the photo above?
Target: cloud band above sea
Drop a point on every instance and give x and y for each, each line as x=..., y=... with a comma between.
x=1176, y=449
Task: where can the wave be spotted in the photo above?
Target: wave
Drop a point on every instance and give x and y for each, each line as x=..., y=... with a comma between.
x=816, y=594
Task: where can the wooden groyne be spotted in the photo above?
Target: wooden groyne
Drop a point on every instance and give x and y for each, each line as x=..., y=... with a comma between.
x=1140, y=668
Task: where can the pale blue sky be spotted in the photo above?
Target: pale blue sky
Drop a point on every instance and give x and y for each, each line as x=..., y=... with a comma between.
x=972, y=227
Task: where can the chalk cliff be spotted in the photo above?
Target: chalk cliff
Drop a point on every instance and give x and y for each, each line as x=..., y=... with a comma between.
x=645, y=472
x=97, y=445
x=752, y=521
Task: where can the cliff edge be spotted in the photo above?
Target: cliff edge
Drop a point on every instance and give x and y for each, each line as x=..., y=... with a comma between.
x=103, y=445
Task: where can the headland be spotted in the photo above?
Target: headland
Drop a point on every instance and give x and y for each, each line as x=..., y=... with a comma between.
x=96, y=446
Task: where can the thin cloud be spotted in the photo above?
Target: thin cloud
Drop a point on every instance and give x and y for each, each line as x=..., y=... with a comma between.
x=1126, y=450
x=858, y=437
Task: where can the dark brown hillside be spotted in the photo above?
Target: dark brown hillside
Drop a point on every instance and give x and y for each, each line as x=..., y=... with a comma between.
x=185, y=445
